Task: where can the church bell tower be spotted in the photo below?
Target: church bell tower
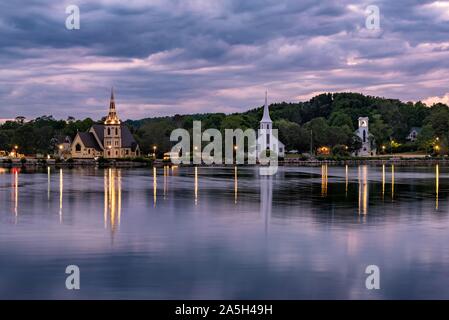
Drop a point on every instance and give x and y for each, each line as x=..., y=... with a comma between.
x=112, y=132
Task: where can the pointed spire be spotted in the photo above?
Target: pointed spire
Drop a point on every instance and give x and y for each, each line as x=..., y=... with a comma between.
x=112, y=117
x=266, y=112
x=112, y=102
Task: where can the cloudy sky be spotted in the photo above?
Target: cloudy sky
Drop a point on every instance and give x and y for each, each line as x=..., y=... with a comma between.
x=186, y=56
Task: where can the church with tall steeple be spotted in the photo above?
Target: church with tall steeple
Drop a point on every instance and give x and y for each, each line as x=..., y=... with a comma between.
x=266, y=140
x=112, y=139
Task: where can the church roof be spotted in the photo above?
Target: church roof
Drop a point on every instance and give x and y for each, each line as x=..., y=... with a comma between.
x=89, y=141
x=128, y=140
x=266, y=112
x=99, y=131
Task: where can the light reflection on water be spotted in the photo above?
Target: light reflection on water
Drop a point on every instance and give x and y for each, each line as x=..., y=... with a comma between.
x=308, y=232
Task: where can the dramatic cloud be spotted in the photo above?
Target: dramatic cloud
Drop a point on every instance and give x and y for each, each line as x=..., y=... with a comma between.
x=186, y=56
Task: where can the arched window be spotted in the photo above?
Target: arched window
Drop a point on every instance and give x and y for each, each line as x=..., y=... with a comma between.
x=78, y=147
x=109, y=131
x=364, y=136
x=116, y=131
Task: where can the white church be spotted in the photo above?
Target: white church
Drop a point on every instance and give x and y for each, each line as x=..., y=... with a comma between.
x=368, y=147
x=266, y=140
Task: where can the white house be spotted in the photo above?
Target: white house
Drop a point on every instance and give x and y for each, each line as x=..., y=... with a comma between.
x=266, y=140
x=368, y=147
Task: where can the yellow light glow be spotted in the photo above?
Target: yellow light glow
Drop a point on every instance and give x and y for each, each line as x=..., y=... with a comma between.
x=324, y=180
x=437, y=184
x=236, y=184
x=154, y=186
x=196, y=185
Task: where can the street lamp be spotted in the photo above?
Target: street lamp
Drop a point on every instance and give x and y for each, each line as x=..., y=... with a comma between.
x=154, y=151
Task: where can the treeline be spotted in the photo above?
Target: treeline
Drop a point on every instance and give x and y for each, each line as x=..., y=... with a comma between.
x=326, y=120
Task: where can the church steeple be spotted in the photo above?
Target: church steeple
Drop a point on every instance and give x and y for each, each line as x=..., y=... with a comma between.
x=266, y=113
x=112, y=117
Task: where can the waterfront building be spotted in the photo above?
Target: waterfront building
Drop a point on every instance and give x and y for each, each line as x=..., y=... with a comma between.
x=266, y=140
x=112, y=139
x=368, y=147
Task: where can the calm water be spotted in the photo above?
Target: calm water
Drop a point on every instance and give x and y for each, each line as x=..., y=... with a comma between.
x=221, y=233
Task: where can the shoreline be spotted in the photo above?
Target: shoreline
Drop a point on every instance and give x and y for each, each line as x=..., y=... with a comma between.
x=43, y=163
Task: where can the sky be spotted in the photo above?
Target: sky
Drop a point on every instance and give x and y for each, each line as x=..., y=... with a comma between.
x=166, y=57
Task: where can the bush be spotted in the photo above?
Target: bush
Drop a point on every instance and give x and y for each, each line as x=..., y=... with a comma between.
x=340, y=150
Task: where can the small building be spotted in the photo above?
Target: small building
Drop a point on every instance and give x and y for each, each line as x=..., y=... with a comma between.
x=266, y=140
x=112, y=139
x=413, y=134
x=368, y=147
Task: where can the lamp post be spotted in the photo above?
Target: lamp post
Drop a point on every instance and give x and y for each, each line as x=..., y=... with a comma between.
x=154, y=152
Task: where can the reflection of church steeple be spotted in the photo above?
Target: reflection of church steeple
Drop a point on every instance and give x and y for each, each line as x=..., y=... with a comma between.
x=112, y=199
x=266, y=198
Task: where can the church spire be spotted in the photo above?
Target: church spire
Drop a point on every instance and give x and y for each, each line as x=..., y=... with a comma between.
x=266, y=112
x=112, y=117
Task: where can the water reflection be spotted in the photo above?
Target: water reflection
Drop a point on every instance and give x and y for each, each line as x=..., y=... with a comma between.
x=15, y=191
x=154, y=186
x=166, y=173
x=324, y=180
x=112, y=198
x=48, y=183
x=236, y=184
x=266, y=198
x=437, y=184
x=61, y=191
x=392, y=182
x=363, y=189
x=196, y=185
x=308, y=234
x=347, y=180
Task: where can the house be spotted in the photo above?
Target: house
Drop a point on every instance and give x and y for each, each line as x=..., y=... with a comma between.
x=266, y=140
x=413, y=135
x=112, y=139
x=368, y=147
